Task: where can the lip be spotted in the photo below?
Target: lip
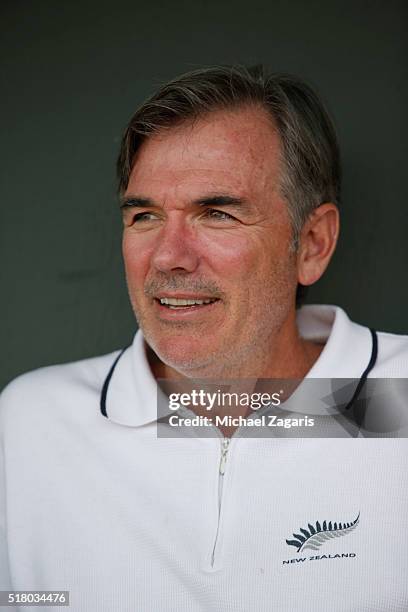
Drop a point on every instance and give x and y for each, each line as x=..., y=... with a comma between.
x=184, y=312
x=185, y=296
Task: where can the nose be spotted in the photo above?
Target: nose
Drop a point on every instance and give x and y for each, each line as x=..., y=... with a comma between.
x=176, y=248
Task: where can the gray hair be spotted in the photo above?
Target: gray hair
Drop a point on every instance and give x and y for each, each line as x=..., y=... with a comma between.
x=310, y=172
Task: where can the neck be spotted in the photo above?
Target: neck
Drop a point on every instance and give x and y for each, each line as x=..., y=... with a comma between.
x=284, y=355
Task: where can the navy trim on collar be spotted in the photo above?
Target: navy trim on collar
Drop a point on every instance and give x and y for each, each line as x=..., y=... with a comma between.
x=104, y=392
x=371, y=364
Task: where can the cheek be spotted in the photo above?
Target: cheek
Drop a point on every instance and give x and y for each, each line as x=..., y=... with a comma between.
x=250, y=262
x=229, y=254
x=254, y=264
x=136, y=257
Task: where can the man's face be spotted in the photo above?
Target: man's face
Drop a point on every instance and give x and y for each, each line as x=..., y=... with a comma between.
x=204, y=221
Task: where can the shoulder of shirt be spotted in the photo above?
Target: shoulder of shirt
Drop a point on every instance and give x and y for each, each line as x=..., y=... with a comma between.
x=56, y=385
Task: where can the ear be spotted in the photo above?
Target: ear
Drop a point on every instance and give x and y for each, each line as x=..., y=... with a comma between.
x=317, y=241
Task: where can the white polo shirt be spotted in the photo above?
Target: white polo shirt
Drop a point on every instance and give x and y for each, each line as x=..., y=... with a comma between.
x=100, y=506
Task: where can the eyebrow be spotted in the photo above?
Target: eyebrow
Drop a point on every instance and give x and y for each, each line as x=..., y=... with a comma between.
x=210, y=200
x=221, y=200
x=135, y=201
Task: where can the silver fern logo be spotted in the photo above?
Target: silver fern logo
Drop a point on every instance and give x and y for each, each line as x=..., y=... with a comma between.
x=316, y=535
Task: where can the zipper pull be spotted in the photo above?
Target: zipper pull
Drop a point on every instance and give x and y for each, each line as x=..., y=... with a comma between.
x=224, y=452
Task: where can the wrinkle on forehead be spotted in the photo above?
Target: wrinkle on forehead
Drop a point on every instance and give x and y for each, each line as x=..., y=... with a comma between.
x=237, y=150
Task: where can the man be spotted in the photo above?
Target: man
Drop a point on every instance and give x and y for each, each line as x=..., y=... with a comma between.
x=229, y=185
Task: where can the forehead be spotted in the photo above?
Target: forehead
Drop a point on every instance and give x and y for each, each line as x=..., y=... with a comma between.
x=237, y=149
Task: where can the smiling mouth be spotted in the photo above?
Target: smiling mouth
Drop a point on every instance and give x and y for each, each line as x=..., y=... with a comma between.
x=183, y=303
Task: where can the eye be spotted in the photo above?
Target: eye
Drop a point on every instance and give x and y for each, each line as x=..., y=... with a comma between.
x=221, y=215
x=144, y=216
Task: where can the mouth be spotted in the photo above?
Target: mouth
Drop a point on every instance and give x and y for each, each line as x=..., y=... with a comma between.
x=171, y=303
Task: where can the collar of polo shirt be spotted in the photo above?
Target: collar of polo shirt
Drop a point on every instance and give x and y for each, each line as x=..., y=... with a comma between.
x=130, y=396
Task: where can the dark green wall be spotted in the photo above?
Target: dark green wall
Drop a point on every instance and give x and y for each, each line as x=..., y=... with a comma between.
x=73, y=72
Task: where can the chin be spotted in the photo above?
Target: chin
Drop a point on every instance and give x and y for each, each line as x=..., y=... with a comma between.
x=185, y=355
